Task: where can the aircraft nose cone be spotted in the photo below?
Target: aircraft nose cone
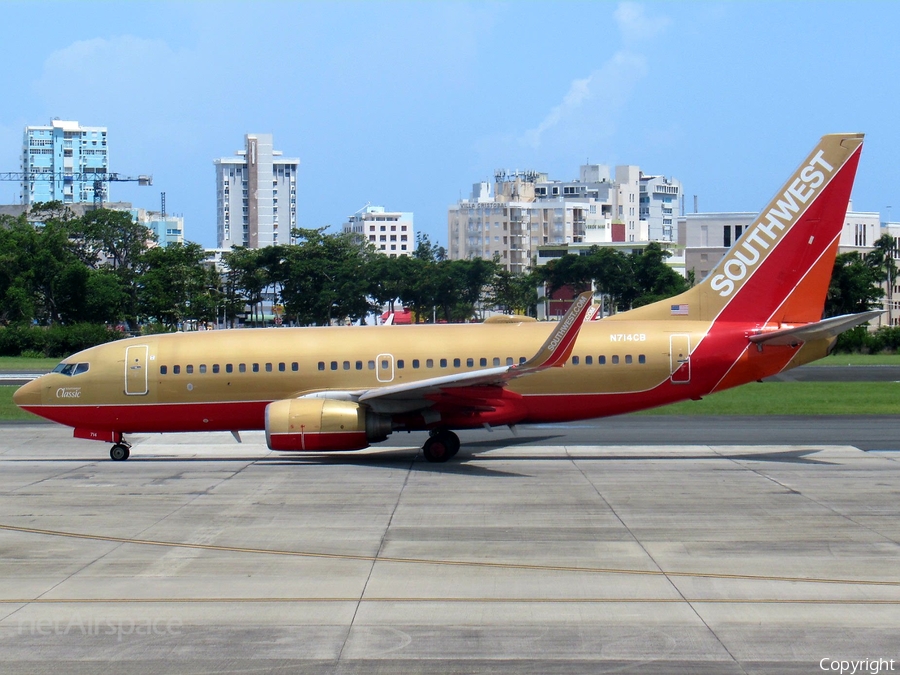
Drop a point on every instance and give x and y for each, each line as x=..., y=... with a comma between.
x=28, y=395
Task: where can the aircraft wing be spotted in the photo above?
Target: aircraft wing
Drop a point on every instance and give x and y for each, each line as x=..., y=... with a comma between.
x=813, y=331
x=411, y=395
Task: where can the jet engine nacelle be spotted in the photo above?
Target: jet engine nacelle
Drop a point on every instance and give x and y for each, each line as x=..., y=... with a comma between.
x=321, y=424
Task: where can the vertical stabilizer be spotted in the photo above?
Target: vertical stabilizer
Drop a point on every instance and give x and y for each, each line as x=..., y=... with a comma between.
x=779, y=270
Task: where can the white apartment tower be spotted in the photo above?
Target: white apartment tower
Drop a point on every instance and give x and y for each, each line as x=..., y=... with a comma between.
x=256, y=195
x=525, y=210
x=390, y=232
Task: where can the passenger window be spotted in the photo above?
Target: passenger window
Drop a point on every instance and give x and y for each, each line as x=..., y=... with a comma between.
x=400, y=363
x=642, y=358
x=81, y=368
x=371, y=365
x=163, y=370
x=385, y=364
x=615, y=359
x=443, y=363
x=202, y=368
x=242, y=367
x=189, y=369
x=176, y=370
x=588, y=360
x=269, y=367
x=334, y=365
x=574, y=360
x=415, y=363
x=255, y=367
x=346, y=365
x=628, y=358
x=229, y=368
x=281, y=367
x=601, y=360
x=522, y=359
x=470, y=362
x=457, y=363
x=321, y=365
x=215, y=367
x=496, y=360
x=429, y=363
x=295, y=366
x=509, y=360
x=483, y=362
x=359, y=365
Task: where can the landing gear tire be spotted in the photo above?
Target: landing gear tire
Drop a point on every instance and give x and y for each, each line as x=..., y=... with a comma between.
x=441, y=446
x=119, y=452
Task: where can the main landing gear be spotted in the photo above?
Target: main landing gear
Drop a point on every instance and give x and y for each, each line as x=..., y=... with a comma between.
x=441, y=446
x=120, y=451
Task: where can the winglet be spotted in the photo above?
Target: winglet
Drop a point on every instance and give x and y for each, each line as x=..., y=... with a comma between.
x=556, y=350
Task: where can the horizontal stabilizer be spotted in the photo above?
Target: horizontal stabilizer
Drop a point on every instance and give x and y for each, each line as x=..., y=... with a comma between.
x=826, y=328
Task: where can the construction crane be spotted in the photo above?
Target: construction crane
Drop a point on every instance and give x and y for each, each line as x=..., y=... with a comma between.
x=100, y=180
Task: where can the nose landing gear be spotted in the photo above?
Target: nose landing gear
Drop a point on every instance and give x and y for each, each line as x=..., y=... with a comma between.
x=120, y=451
x=441, y=446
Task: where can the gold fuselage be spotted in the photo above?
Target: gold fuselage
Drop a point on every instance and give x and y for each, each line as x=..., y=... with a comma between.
x=217, y=380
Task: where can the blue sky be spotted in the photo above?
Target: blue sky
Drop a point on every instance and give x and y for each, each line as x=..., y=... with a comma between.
x=406, y=104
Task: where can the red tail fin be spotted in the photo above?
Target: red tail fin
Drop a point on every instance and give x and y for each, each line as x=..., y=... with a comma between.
x=779, y=270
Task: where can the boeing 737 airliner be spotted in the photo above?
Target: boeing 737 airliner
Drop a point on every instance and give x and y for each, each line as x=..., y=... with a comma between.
x=341, y=388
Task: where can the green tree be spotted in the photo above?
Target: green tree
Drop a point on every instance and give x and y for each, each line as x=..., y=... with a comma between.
x=386, y=279
x=854, y=285
x=626, y=281
x=323, y=277
x=248, y=278
x=59, y=277
x=654, y=279
x=514, y=293
x=460, y=285
x=174, y=284
x=17, y=242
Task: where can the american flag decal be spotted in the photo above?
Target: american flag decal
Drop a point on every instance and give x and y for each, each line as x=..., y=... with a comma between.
x=680, y=310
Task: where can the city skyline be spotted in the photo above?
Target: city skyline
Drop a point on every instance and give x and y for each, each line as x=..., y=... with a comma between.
x=409, y=104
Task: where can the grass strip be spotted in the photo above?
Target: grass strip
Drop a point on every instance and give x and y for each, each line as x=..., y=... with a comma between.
x=859, y=360
x=794, y=398
x=27, y=365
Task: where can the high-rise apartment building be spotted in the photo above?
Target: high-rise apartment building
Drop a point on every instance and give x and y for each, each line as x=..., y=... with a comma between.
x=391, y=232
x=256, y=195
x=67, y=154
x=525, y=210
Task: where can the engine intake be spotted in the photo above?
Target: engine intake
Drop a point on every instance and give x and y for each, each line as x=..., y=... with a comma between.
x=320, y=425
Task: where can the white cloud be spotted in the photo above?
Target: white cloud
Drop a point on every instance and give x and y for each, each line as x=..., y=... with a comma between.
x=588, y=112
x=635, y=25
x=105, y=69
x=591, y=104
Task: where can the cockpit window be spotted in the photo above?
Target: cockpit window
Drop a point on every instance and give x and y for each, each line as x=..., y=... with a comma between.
x=70, y=369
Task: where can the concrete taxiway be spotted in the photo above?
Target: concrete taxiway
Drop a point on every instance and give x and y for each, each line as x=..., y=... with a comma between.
x=528, y=555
